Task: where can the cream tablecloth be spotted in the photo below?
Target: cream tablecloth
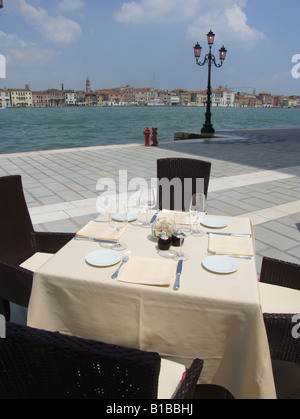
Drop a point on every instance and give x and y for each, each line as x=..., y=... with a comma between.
x=275, y=299
x=214, y=317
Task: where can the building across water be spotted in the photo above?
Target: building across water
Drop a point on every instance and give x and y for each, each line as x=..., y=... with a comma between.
x=146, y=96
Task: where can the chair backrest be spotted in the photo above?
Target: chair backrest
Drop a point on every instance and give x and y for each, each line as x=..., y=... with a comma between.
x=181, y=168
x=283, y=337
x=281, y=273
x=45, y=365
x=15, y=222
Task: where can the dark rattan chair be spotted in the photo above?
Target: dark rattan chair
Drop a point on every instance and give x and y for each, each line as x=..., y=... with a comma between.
x=181, y=168
x=284, y=347
x=36, y=364
x=283, y=344
x=281, y=273
x=18, y=242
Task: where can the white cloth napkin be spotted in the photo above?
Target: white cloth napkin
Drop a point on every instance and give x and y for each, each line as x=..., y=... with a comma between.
x=148, y=271
x=100, y=231
x=181, y=217
x=231, y=245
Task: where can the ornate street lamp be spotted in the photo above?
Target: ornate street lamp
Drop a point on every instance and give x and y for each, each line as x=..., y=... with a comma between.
x=208, y=128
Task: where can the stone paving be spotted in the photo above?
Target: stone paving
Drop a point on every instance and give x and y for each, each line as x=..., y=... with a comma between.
x=254, y=174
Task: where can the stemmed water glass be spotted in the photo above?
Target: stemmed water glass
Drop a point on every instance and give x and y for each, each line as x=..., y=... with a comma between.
x=181, y=231
x=147, y=203
x=197, y=213
x=118, y=221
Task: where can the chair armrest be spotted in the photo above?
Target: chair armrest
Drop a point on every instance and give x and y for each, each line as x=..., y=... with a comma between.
x=50, y=242
x=15, y=284
x=187, y=387
x=280, y=273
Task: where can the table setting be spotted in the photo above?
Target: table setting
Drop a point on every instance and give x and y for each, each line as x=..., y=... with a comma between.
x=169, y=230
x=132, y=296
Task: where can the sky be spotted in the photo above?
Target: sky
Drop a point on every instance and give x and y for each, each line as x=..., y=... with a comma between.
x=149, y=43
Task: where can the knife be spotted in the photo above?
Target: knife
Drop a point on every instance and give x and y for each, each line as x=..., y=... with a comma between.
x=94, y=240
x=178, y=273
x=230, y=234
x=154, y=216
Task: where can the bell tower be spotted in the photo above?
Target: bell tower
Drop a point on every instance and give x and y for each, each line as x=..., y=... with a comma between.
x=88, y=85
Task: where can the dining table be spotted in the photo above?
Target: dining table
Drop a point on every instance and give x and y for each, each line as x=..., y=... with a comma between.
x=215, y=315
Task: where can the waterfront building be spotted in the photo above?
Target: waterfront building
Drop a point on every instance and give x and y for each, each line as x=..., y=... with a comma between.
x=70, y=97
x=91, y=98
x=292, y=101
x=199, y=98
x=266, y=99
x=4, y=98
x=278, y=101
x=113, y=97
x=244, y=99
x=141, y=96
x=184, y=96
x=129, y=95
x=81, y=98
x=21, y=98
x=222, y=97
x=56, y=97
x=164, y=97
x=99, y=99
x=41, y=99
x=145, y=95
x=174, y=98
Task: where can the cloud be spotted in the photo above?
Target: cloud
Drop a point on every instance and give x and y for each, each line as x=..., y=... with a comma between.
x=226, y=16
x=58, y=29
x=156, y=11
x=71, y=5
x=18, y=51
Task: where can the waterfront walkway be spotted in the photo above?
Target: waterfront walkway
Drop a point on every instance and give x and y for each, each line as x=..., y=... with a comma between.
x=254, y=174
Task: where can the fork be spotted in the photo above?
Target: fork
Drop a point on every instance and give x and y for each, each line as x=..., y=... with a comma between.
x=124, y=260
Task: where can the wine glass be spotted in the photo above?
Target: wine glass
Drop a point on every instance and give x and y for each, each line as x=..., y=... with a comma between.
x=197, y=213
x=118, y=221
x=147, y=202
x=181, y=231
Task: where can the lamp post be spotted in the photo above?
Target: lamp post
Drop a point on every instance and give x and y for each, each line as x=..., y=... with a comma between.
x=208, y=128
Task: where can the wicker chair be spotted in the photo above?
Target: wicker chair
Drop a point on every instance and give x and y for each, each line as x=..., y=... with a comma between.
x=36, y=364
x=285, y=353
x=281, y=273
x=181, y=168
x=18, y=242
x=284, y=347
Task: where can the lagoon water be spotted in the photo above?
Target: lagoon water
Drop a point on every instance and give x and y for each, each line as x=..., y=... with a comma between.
x=57, y=128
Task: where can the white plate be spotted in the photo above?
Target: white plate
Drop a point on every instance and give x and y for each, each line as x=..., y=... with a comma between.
x=120, y=217
x=102, y=258
x=214, y=222
x=221, y=264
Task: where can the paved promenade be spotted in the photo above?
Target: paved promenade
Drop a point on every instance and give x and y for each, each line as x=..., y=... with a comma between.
x=254, y=174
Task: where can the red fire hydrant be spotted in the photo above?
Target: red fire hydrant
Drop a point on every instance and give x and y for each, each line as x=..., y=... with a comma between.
x=154, y=137
x=147, y=133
